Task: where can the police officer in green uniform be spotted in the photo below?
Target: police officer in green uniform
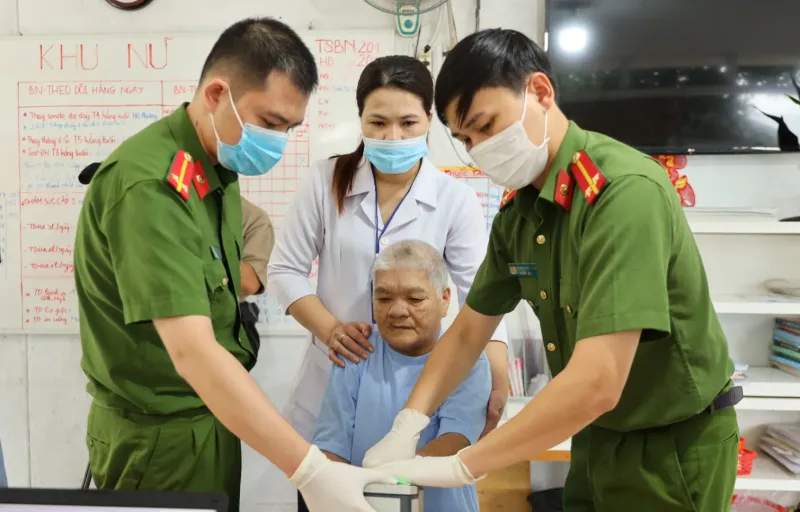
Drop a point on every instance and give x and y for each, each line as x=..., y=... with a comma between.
x=592, y=236
x=157, y=270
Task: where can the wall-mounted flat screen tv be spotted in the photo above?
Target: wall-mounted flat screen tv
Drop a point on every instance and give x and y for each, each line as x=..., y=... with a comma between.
x=680, y=76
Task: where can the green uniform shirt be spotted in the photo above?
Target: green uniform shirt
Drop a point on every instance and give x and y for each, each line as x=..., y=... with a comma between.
x=142, y=252
x=628, y=261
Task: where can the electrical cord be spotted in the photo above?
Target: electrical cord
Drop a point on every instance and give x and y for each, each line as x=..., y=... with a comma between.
x=456, y=151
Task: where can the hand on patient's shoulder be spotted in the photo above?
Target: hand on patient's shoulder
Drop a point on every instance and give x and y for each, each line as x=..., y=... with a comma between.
x=350, y=340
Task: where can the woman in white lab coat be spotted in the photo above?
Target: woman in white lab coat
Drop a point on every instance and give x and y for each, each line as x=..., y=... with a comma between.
x=350, y=206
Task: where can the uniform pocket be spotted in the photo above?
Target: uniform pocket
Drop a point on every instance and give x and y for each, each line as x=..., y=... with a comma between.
x=637, y=471
x=569, y=303
x=216, y=277
x=119, y=449
x=175, y=453
x=224, y=307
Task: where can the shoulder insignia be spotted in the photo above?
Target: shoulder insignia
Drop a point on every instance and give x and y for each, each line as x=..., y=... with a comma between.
x=565, y=185
x=588, y=176
x=180, y=174
x=200, y=181
x=508, y=195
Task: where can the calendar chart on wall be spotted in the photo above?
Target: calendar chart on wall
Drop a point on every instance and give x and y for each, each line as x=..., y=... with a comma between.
x=69, y=101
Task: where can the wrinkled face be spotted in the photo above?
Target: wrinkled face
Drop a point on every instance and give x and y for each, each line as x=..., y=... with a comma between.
x=408, y=310
x=279, y=106
x=393, y=114
x=494, y=109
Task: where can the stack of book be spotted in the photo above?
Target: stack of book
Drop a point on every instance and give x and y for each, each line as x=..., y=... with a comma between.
x=786, y=345
x=782, y=443
x=739, y=370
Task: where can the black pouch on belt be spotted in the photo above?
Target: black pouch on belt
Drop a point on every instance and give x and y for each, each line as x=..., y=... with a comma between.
x=249, y=319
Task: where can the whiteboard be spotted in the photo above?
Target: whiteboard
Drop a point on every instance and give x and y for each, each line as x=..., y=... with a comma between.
x=68, y=101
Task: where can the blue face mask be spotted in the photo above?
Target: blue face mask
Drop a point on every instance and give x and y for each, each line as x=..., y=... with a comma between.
x=395, y=156
x=257, y=151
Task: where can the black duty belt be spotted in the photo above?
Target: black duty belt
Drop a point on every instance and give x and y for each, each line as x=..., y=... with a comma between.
x=727, y=399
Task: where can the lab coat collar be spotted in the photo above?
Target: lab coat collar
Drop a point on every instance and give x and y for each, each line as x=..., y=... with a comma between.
x=423, y=189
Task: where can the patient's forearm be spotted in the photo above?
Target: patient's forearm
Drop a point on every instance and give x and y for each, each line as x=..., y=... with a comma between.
x=444, y=446
x=334, y=457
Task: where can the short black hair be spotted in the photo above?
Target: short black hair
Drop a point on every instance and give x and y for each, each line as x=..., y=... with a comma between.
x=251, y=49
x=493, y=57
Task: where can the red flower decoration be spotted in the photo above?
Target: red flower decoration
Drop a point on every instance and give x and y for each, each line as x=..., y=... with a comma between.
x=672, y=164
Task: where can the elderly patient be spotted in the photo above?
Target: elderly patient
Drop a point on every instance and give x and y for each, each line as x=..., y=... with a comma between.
x=410, y=298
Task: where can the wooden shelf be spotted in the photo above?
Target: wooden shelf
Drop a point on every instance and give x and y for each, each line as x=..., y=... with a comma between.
x=768, y=475
x=745, y=227
x=766, y=382
x=754, y=305
x=766, y=389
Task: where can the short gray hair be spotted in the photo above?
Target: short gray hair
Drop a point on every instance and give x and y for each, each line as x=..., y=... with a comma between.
x=413, y=255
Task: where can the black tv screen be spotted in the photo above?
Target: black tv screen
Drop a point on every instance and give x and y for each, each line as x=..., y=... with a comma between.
x=680, y=76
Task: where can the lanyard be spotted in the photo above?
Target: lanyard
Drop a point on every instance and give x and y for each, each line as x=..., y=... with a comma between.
x=379, y=232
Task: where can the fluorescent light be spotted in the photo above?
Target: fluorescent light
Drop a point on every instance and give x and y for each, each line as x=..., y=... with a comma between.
x=572, y=39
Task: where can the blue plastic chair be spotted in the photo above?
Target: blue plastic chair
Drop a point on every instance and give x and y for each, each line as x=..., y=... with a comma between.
x=3, y=479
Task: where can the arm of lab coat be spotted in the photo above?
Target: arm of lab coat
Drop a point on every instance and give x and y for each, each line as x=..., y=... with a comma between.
x=300, y=241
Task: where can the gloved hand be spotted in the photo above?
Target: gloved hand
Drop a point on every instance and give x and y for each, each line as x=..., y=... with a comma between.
x=432, y=471
x=327, y=485
x=401, y=442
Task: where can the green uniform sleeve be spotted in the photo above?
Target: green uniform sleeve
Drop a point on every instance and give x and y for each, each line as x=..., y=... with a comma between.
x=623, y=261
x=155, y=249
x=494, y=290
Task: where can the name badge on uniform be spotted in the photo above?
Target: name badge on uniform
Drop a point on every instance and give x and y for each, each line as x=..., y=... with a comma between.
x=523, y=269
x=216, y=252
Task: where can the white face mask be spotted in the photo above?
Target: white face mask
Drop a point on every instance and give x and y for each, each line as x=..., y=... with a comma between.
x=509, y=158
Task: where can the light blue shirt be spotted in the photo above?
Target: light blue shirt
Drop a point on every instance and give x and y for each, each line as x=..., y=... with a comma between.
x=362, y=400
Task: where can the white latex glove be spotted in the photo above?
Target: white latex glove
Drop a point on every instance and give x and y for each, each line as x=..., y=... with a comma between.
x=401, y=442
x=432, y=471
x=328, y=486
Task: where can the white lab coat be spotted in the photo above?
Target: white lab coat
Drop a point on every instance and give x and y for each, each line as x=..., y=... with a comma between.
x=438, y=209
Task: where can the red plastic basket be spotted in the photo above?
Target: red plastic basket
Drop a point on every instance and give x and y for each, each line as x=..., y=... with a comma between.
x=745, y=465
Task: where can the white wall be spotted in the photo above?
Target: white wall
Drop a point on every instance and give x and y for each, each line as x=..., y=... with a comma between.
x=43, y=404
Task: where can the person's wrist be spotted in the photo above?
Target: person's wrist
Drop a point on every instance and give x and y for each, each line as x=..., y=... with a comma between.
x=307, y=468
x=411, y=420
x=330, y=334
x=471, y=462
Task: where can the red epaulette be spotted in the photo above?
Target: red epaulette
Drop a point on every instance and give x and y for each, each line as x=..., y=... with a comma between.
x=508, y=195
x=181, y=173
x=588, y=176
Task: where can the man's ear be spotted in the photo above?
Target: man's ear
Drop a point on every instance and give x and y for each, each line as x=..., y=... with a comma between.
x=541, y=86
x=213, y=92
x=445, y=301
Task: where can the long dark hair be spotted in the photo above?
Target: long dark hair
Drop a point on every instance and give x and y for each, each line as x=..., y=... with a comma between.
x=395, y=71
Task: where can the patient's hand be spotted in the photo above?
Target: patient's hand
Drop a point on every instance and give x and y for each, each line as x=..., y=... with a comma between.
x=335, y=458
x=444, y=446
